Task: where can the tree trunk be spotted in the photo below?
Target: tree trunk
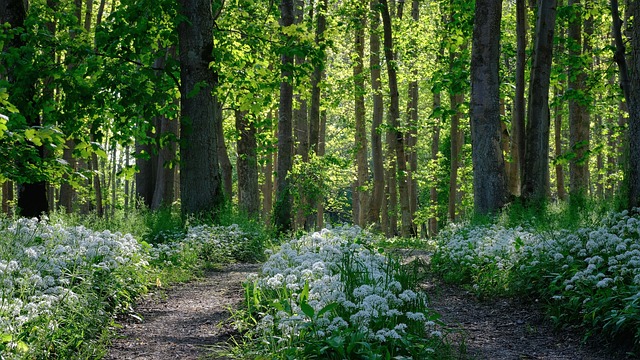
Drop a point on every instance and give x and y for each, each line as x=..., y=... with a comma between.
x=314, y=108
x=200, y=182
x=282, y=209
x=630, y=82
x=557, y=125
x=247, y=166
x=518, y=127
x=7, y=198
x=267, y=186
x=362, y=173
x=393, y=116
x=377, y=116
x=322, y=133
x=535, y=185
x=578, y=112
x=412, y=134
x=226, y=169
x=163, y=192
x=32, y=197
x=455, y=101
x=433, y=193
x=489, y=176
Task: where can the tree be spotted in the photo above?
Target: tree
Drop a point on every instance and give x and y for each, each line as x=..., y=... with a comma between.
x=489, y=177
x=393, y=116
x=630, y=83
x=362, y=173
x=535, y=186
x=377, y=159
x=247, y=165
x=578, y=105
x=283, y=205
x=32, y=190
x=200, y=183
x=518, y=127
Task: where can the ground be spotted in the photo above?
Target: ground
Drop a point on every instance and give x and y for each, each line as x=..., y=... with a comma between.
x=184, y=322
x=181, y=323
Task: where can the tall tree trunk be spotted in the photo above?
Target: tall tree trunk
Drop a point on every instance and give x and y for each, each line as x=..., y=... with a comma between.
x=535, y=185
x=163, y=192
x=226, y=169
x=322, y=133
x=630, y=82
x=282, y=209
x=32, y=196
x=455, y=100
x=377, y=116
x=362, y=173
x=557, y=126
x=267, y=186
x=412, y=134
x=112, y=180
x=489, y=176
x=7, y=198
x=518, y=127
x=127, y=193
x=435, y=146
x=247, y=166
x=393, y=116
x=578, y=111
x=314, y=108
x=200, y=182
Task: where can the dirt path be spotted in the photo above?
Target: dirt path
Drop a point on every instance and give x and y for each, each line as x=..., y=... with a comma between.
x=181, y=323
x=190, y=317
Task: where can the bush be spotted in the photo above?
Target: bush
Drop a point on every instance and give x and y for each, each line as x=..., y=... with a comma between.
x=330, y=295
x=589, y=276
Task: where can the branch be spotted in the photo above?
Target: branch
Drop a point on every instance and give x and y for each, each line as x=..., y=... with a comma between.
x=135, y=62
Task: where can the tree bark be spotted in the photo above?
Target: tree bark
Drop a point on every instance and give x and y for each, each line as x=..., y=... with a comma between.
x=362, y=173
x=377, y=116
x=557, y=125
x=412, y=133
x=283, y=206
x=435, y=146
x=7, y=198
x=518, y=127
x=393, y=116
x=200, y=182
x=163, y=192
x=226, y=169
x=578, y=111
x=489, y=176
x=630, y=82
x=247, y=166
x=535, y=185
x=32, y=196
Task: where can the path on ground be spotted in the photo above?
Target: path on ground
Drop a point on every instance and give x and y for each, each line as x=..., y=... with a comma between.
x=191, y=317
x=180, y=322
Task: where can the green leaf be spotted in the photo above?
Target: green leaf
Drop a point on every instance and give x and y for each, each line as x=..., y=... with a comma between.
x=327, y=308
x=307, y=310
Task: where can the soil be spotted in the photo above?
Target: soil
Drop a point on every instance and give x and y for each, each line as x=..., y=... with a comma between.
x=191, y=318
x=183, y=322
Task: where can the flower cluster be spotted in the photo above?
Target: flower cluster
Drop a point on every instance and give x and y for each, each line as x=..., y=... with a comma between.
x=213, y=244
x=46, y=270
x=591, y=274
x=339, y=270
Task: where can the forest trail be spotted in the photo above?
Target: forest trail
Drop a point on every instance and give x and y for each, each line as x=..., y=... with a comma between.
x=191, y=317
x=179, y=323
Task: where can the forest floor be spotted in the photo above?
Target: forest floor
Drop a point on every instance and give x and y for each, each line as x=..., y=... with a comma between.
x=185, y=321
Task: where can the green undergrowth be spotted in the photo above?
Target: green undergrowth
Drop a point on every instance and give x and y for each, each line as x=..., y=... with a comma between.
x=64, y=279
x=334, y=295
x=582, y=264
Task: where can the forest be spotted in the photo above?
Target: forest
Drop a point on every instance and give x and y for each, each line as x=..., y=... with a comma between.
x=143, y=142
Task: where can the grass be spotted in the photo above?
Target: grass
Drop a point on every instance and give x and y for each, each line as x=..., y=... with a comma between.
x=63, y=280
x=583, y=265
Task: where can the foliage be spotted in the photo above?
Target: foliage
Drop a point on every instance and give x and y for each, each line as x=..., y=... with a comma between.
x=588, y=276
x=61, y=284
x=331, y=295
